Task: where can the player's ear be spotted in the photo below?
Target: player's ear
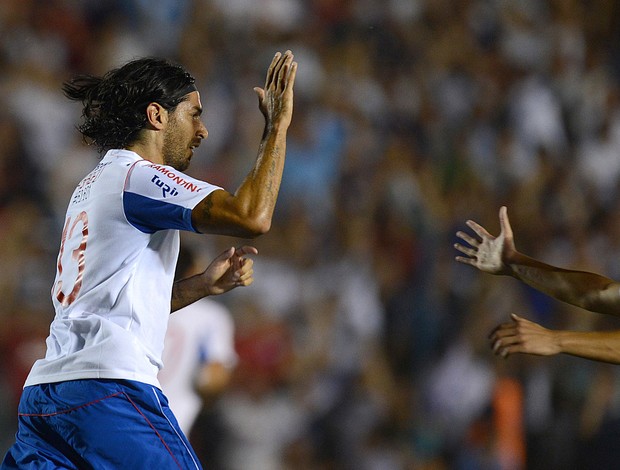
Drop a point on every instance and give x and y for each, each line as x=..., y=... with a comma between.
x=156, y=115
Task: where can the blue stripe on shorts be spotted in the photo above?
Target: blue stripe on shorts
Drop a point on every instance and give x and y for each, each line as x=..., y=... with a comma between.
x=98, y=424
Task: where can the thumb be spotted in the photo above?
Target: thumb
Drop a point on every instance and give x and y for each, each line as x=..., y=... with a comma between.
x=504, y=222
x=260, y=93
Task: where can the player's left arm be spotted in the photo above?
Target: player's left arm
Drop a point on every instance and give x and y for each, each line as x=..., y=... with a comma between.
x=229, y=270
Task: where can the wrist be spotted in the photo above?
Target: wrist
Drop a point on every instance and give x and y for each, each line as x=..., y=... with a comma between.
x=558, y=340
x=274, y=128
x=207, y=288
x=512, y=260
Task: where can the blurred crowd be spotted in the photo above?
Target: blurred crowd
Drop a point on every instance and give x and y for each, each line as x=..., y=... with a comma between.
x=362, y=344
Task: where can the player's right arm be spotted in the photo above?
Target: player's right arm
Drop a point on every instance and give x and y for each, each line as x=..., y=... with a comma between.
x=248, y=212
x=498, y=255
x=524, y=336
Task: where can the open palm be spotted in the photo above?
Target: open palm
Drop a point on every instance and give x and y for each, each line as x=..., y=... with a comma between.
x=487, y=253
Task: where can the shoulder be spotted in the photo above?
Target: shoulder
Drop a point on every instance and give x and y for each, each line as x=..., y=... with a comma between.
x=163, y=181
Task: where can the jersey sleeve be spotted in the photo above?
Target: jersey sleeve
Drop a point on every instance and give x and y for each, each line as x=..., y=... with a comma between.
x=158, y=197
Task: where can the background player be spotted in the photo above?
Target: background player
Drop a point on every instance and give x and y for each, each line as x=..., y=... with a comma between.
x=199, y=353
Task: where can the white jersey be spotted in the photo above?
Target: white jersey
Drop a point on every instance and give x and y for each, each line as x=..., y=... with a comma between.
x=199, y=334
x=115, y=271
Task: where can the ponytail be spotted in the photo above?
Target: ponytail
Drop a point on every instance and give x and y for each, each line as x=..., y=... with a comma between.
x=114, y=106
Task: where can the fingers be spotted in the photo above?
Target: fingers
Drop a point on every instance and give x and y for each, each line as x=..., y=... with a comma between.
x=291, y=76
x=278, y=71
x=242, y=266
x=271, y=71
x=246, y=250
x=283, y=71
x=505, y=227
x=465, y=249
x=482, y=232
x=482, y=251
x=467, y=238
x=246, y=274
x=521, y=336
x=503, y=330
x=470, y=251
x=473, y=242
x=506, y=346
x=240, y=252
x=479, y=229
x=470, y=261
x=505, y=340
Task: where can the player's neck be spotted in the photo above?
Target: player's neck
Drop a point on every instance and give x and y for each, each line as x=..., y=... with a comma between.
x=148, y=150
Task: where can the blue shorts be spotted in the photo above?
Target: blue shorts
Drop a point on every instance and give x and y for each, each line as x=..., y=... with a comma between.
x=98, y=424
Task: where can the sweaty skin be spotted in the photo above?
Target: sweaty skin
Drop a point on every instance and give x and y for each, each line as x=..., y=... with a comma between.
x=248, y=212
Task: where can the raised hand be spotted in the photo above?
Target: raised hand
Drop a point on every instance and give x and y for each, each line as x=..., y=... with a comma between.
x=488, y=253
x=276, y=99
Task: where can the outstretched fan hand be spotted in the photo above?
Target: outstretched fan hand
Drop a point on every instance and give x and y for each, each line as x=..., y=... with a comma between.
x=489, y=253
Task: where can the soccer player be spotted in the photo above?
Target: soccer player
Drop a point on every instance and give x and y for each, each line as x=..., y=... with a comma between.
x=590, y=291
x=94, y=401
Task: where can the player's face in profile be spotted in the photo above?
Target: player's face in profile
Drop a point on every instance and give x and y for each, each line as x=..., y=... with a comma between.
x=185, y=131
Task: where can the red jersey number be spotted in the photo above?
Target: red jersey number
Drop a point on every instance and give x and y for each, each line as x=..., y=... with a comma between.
x=77, y=255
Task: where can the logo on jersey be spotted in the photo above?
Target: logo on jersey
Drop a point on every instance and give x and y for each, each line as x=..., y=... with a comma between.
x=166, y=189
x=176, y=179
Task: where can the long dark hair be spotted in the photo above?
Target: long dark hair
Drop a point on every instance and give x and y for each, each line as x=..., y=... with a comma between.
x=115, y=104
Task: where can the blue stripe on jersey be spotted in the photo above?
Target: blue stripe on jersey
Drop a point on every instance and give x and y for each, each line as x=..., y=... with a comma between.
x=150, y=215
x=203, y=354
